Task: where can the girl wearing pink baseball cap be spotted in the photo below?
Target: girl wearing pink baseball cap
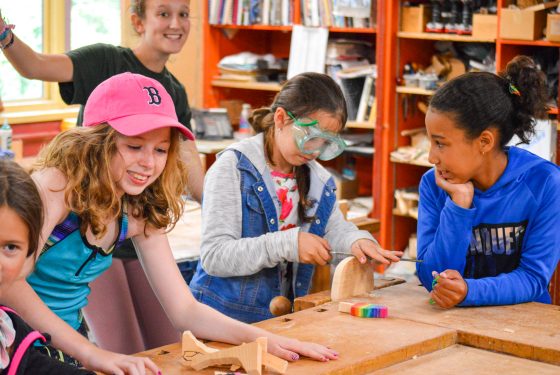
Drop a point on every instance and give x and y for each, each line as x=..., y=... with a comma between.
x=120, y=176
x=163, y=27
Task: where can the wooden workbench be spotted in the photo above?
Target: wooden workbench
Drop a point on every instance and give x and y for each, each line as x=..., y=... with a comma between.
x=417, y=338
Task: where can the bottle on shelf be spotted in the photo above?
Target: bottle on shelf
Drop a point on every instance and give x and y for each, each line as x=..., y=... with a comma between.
x=6, y=136
x=244, y=126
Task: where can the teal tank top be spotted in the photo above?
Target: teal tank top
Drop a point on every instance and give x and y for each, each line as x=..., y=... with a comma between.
x=66, y=266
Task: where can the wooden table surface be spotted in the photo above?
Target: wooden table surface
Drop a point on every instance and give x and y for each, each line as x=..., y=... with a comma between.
x=416, y=338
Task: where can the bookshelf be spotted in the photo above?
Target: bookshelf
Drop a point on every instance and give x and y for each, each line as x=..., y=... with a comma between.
x=221, y=40
x=398, y=49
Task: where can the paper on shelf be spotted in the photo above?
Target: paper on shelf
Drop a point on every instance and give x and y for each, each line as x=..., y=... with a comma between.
x=308, y=50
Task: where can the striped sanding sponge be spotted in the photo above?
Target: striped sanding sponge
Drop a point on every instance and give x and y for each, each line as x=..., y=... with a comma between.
x=363, y=309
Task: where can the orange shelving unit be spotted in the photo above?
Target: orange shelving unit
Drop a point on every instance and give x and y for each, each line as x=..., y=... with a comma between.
x=223, y=40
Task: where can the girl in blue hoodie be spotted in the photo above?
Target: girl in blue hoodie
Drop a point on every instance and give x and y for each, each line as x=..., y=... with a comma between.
x=489, y=215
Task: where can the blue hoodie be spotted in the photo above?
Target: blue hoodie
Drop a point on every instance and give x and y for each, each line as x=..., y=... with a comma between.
x=507, y=244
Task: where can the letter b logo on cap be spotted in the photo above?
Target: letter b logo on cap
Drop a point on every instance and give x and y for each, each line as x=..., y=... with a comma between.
x=154, y=95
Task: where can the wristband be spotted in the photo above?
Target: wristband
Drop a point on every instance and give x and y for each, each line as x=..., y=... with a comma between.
x=9, y=43
x=5, y=31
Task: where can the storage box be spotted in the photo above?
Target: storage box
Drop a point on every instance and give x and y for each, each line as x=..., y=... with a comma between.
x=485, y=26
x=345, y=188
x=553, y=27
x=414, y=19
x=524, y=24
x=528, y=3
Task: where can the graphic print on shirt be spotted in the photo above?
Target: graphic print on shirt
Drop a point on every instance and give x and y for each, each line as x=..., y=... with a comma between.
x=287, y=193
x=494, y=249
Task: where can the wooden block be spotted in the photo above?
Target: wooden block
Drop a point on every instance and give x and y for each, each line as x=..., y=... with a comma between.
x=249, y=356
x=270, y=361
x=414, y=19
x=351, y=279
x=192, y=347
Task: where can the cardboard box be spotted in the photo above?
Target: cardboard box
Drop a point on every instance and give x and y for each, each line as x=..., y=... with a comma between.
x=528, y=3
x=414, y=19
x=553, y=27
x=524, y=24
x=485, y=26
x=345, y=188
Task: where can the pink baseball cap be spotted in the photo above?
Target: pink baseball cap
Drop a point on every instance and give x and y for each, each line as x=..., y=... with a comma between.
x=132, y=104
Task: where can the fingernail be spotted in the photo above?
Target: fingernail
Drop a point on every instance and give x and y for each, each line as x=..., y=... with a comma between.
x=295, y=357
x=434, y=273
x=362, y=260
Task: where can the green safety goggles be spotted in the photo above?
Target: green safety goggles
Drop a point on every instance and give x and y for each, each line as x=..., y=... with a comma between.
x=312, y=140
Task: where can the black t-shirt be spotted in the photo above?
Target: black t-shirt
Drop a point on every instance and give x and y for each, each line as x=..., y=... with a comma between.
x=34, y=362
x=95, y=63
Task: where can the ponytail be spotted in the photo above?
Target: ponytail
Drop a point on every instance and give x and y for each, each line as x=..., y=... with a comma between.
x=527, y=85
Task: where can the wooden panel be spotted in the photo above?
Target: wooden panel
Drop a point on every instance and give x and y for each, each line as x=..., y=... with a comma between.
x=414, y=328
x=530, y=330
x=363, y=344
x=459, y=359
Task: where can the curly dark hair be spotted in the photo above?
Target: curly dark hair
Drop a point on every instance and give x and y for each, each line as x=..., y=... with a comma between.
x=478, y=101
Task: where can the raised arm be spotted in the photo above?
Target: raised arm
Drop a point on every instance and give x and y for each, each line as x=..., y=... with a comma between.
x=34, y=65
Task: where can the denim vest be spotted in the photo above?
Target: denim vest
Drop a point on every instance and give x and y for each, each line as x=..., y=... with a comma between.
x=247, y=298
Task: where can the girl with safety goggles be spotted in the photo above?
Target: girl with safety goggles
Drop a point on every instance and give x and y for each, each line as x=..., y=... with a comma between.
x=270, y=212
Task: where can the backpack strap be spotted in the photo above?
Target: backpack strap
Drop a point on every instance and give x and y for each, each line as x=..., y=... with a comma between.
x=23, y=346
x=7, y=309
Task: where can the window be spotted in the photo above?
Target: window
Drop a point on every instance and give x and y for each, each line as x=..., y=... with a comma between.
x=95, y=21
x=38, y=24
x=28, y=18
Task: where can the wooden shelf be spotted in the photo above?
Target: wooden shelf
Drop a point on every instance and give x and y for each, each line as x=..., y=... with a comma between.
x=352, y=30
x=412, y=162
x=356, y=30
x=360, y=125
x=414, y=91
x=263, y=86
x=254, y=27
x=536, y=43
x=444, y=37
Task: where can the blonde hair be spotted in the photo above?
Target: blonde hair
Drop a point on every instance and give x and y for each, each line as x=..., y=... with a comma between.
x=84, y=156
